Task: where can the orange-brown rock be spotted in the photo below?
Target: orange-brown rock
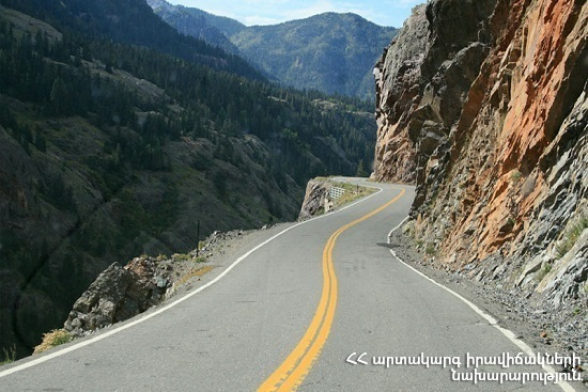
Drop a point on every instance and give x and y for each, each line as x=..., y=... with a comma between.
x=493, y=129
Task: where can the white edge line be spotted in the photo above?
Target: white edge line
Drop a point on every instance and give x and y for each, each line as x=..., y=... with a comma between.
x=491, y=320
x=146, y=317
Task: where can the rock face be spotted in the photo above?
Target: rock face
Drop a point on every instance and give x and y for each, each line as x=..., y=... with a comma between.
x=397, y=77
x=316, y=199
x=120, y=293
x=484, y=104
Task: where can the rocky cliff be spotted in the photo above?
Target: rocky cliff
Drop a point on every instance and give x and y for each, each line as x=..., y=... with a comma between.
x=316, y=199
x=122, y=292
x=483, y=104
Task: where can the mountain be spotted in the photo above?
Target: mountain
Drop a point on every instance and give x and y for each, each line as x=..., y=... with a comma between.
x=130, y=22
x=484, y=106
x=198, y=24
x=225, y=25
x=333, y=53
x=109, y=150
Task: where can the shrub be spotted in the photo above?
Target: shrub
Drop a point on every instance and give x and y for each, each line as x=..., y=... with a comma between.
x=571, y=235
x=179, y=257
x=55, y=338
x=544, y=271
x=516, y=176
x=8, y=355
x=430, y=250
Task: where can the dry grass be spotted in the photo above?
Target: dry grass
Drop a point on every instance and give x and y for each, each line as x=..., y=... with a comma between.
x=352, y=193
x=54, y=338
x=195, y=273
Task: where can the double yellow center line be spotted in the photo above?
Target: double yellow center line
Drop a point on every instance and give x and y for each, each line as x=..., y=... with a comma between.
x=296, y=366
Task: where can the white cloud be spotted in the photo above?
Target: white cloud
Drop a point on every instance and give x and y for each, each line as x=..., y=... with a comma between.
x=258, y=20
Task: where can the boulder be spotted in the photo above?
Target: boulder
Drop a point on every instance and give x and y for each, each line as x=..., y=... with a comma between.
x=118, y=294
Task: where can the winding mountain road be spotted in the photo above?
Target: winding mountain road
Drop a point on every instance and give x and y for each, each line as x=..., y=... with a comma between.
x=320, y=306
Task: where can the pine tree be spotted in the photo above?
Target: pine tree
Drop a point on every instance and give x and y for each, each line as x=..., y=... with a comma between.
x=361, y=172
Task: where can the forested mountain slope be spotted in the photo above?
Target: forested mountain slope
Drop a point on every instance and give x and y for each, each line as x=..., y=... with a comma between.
x=333, y=53
x=130, y=22
x=109, y=150
x=199, y=24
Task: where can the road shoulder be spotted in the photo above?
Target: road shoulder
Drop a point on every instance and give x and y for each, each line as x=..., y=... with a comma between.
x=542, y=332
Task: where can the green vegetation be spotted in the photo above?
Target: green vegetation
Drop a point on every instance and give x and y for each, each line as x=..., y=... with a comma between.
x=180, y=257
x=114, y=146
x=515, y=177
x=333, y=53
x=431, y=250
x=545, y=269
x=330, y=52
x=183, y=257
x=511, y=221
x=53, y=339
x=361, y=172
x=571, y=235
x=352, y=193
x=135, y=24
x=8, y=355
x=196, y=23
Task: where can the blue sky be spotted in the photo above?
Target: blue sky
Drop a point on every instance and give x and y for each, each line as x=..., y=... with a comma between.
x=263, y=12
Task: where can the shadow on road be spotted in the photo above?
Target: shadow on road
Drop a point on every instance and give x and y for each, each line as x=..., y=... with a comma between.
x=386, y=245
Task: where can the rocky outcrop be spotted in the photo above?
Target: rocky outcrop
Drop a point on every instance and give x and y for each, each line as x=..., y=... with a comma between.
x=397, y=77
x=316, y=200
x=484, y=106
x=120, y=293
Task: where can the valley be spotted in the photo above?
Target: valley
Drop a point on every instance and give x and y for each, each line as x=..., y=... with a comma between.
x=111, y=150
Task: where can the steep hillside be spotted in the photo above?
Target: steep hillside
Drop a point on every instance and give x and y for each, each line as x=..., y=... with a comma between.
x=225, y=25
x=195, y=23
x=130, y=22
x=484, y=106
x=333, y=53
x=108, y=151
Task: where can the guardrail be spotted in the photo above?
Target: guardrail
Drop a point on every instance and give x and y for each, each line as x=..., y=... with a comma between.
x=336, y=192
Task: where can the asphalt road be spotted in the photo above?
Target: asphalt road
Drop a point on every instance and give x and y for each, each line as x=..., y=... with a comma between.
x=289, y=316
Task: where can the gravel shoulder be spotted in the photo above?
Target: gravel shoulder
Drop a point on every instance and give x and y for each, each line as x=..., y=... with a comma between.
x=532, y=321
x=220, y=251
